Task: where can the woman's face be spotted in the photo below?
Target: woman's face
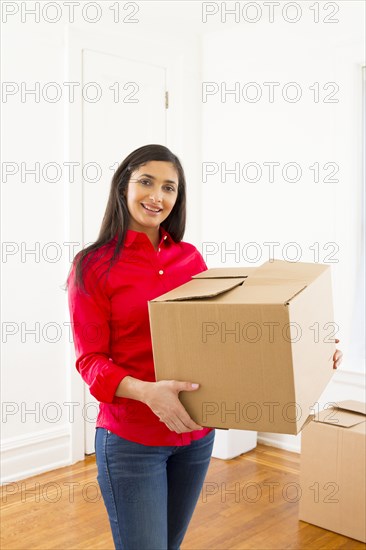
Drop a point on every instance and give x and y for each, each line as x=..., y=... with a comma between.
x=151, y=194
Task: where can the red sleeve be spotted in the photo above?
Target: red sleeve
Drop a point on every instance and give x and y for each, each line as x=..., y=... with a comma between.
x=201, y=262
x=89, y=315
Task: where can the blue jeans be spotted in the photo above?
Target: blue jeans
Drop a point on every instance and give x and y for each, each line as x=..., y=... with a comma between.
x=150, y=492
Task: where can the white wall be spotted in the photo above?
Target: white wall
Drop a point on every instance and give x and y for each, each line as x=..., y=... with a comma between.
x=236, y=132
x=35, y=373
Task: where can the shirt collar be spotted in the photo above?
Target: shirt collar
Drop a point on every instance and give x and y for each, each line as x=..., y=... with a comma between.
x=132, y=236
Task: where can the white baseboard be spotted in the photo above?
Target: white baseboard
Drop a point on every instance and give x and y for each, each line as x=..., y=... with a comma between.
x=272, y=442
x=28, y=455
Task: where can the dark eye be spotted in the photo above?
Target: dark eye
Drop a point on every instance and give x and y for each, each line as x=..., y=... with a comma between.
x=144, y=182
x=170, y=188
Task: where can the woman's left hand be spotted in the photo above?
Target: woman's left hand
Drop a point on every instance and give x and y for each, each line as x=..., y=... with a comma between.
x=337, y=357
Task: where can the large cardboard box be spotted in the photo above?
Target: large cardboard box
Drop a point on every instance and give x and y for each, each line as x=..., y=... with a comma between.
x=259, y=341
x=332, y=471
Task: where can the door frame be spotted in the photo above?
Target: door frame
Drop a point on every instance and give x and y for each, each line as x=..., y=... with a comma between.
x=178, y=63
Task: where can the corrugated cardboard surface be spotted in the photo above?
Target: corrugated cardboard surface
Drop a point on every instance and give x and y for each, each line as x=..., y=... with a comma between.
x=332, y=474
x=355, y=406
x=199, y=288
x=312, y=354
x=339, y=417
x=237, y=344
x=298, y=271
x=217, y=272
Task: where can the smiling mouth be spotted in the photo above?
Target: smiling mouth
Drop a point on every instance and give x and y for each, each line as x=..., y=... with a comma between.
x=149, y=209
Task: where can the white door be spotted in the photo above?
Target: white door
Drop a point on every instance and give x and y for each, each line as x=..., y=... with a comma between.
x=123, y=109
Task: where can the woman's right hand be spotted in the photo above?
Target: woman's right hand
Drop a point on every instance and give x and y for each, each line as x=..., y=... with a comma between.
x=162, y=398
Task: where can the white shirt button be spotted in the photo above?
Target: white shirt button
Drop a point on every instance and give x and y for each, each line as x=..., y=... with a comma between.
x=158, y=249
x=161, y=272
x=164, y=237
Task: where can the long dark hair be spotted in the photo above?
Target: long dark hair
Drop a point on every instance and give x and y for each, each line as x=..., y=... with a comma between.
x=116, y=217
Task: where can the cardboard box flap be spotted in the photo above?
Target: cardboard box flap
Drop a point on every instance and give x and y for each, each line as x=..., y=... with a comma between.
x=200, y=288
x=281, y=269
x=225, y=272
x=354, y=406
x=267, y=291
x=337, y=416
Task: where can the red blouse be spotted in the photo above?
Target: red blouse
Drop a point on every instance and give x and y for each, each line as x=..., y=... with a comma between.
x=111, y=329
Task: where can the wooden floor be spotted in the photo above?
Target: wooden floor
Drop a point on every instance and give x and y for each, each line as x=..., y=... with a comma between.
x=242, y=505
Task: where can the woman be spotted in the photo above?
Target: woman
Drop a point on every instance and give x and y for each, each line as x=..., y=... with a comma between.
x=152, y=457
